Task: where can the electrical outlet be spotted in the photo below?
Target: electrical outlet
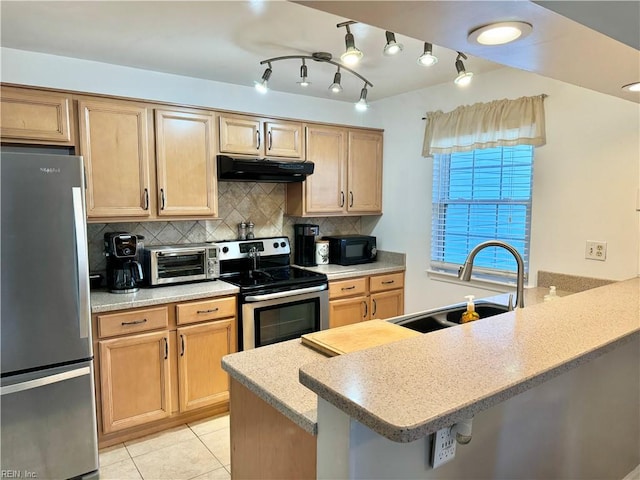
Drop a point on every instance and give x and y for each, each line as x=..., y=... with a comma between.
x=443, y=447
x=596, y=250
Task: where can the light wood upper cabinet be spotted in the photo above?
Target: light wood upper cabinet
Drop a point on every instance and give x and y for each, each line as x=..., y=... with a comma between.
x=114, y=140
x=347, y=176
x=135, y=385
x=29, y=116
x=201, y=347
x=185, y=159
x=364, y=172
x=257, y=137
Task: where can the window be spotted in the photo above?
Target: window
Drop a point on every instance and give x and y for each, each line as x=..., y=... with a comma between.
x=481, y=195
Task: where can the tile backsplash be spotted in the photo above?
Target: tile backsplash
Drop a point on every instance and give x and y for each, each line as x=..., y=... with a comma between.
x=262, y=203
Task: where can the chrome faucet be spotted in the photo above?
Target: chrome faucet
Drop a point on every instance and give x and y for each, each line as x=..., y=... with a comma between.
x=465, y=271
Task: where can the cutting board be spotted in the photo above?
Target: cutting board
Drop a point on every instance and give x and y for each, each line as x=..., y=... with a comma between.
x=358, y=336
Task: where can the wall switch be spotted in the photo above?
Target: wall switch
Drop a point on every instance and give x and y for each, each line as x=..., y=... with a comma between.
x=443, y=447
x=596, y=250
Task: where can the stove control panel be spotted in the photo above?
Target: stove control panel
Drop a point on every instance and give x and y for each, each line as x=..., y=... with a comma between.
x=265, y=247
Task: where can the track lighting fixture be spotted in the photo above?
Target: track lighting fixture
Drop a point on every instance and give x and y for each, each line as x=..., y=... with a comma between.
x=362, y=105
x=352, y=55
x=335, y=87
x=500, y=33
x=392, y=47
x=323, y=57
x=261, y=85
x=464, y=77
x=303, y=75
x=427, y=58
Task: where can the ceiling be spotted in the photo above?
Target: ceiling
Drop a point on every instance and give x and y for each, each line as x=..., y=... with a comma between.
x=226, y=40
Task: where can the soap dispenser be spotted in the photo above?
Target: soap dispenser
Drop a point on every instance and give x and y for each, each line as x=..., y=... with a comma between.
x=551, y=295
x=470, y=314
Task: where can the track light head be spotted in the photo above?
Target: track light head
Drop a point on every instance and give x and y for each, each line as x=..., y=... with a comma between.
x=352, y=55
x=335, y=87
x=362, y=105
x=303, y=75
x=392, y=47
x=464, y=77
x=427, y=58
x=262, y=84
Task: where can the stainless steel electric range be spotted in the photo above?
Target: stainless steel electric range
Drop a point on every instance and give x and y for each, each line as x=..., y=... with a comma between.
x=277, y=301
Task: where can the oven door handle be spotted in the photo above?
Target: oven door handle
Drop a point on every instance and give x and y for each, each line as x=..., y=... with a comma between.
x=289, y=293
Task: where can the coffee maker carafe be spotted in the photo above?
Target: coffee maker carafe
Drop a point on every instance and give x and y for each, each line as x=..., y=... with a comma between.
x=305, y=244
x=124, y=272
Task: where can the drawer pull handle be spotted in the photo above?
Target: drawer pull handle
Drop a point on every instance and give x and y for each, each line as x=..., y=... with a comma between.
x=208, y=311
x=182, y=344
x=349, y=288
x=388, y=282
x=135, y=322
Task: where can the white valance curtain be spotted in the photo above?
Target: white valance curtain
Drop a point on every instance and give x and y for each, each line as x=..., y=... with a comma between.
x=486, y=125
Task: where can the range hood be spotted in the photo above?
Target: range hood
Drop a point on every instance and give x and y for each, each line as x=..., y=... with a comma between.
x=261, y=170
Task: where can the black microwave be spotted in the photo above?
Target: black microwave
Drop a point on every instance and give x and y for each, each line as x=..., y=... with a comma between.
x=351, y=249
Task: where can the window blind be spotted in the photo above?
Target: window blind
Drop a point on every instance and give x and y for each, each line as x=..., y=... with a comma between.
x=480, y=195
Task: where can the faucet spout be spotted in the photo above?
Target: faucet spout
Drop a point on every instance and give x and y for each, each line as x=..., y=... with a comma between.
x=465, y=271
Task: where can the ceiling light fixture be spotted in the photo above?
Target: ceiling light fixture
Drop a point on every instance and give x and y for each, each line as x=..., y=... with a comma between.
x=392, y=47
x=500, y=33
x=323, y=57
x=303, y=75
x=464, y=78
x=352, y=55
x=335, y=87
x=261, y=85
x=427, y=58
x=632, y=87
x=362, y=105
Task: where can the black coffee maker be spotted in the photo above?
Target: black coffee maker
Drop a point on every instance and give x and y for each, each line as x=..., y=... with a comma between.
x=305, y=244
x=124, y=272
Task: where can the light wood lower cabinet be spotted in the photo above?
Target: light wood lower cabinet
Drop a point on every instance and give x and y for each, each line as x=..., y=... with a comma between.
x=161, y=366
x=365, y=298
x=134, y=374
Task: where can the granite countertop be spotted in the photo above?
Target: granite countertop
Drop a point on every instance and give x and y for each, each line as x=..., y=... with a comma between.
x=272, y=372
x=411, y=388
x=341, y=272
x=104, y=301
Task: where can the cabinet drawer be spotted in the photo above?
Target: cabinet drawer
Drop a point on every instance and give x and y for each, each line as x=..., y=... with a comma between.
x=391, y=281
x=347, y=288
x=205, y=310
x=132, y=322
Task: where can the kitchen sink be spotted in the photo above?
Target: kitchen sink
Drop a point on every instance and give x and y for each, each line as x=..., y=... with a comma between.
x=444, y=317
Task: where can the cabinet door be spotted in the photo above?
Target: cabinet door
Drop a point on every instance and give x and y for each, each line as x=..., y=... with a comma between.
x=40, y=117
x=387, y=304
x=348, y=311
x=284, y=139
x=185, y=155
x=114, y=140
x=202, y=381
x=241, y=135
x=134, y=380
x=325, y=189
x=365, y=172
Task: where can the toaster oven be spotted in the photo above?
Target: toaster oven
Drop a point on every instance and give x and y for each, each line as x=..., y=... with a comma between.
x=170, y=264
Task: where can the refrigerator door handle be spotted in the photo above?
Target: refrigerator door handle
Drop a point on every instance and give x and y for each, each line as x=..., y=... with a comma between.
x=41, y=382
x=83, y=261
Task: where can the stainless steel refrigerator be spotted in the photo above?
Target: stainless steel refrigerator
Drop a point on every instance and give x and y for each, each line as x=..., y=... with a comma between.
x=47, y=403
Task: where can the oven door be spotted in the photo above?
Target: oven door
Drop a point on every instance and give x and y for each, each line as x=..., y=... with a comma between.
x=276, y=317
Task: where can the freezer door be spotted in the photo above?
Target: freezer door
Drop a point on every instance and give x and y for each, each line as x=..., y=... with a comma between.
x=49, y=424
x=45, y=317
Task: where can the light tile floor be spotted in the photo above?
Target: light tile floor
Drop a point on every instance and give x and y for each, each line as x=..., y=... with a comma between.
x=198, y=450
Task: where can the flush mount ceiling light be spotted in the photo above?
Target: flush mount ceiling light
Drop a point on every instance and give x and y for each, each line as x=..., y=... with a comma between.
x=392, y=47
x=323, y=57
x=352, y=55
x=303, y=75
x=427, y=58
x=632, y=87
x=464, y=77
x=500, y=33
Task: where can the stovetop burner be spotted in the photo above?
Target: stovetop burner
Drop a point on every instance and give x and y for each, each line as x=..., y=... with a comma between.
x=275, y=279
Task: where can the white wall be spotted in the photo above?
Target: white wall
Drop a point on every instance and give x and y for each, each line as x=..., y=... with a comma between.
x=585, y=180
